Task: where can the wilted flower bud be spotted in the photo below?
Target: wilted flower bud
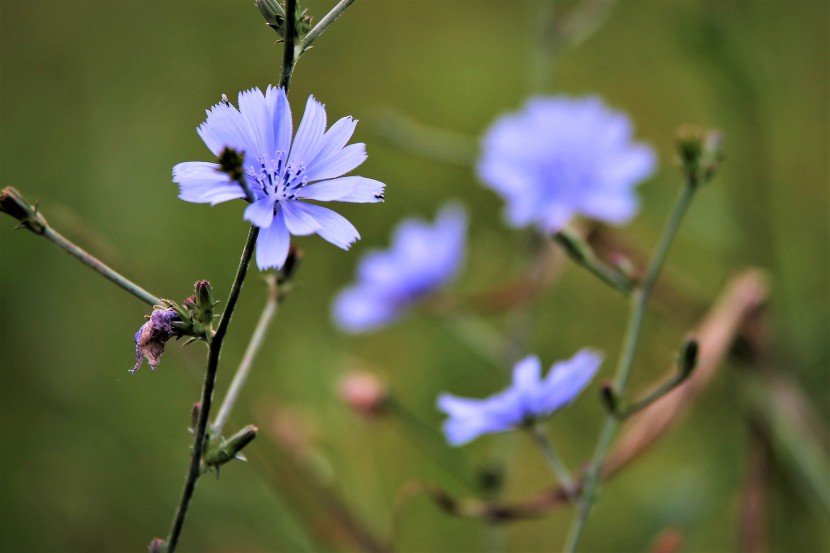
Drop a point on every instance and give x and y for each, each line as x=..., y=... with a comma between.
x=364, y=393
x=152, y=337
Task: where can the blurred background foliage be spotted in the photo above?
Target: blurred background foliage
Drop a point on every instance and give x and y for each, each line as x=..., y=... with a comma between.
x=101, y=99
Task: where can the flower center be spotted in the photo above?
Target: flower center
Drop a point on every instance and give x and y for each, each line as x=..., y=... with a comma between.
x=276, y=178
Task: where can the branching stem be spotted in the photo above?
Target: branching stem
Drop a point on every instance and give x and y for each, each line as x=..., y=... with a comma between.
x=635, y=323
x=200, y=432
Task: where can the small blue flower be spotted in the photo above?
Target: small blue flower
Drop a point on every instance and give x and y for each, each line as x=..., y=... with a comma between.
x=529, y=398
x=280, y=172
x=422, y=258
x=560, y=157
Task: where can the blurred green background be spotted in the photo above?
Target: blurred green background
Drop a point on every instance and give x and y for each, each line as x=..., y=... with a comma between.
x=100, y=100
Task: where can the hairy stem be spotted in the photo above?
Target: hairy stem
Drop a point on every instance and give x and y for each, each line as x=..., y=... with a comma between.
x=253, y=348
x=200, y=432
x=626, y=361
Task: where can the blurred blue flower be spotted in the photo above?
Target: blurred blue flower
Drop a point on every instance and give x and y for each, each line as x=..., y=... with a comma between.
x=422, y=258
x=560, y=157
x=529, y=398
x=281, y=173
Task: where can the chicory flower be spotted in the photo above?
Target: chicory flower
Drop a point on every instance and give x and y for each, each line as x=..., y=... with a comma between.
x=529, y=399
x=282, y=173
x=560, y=157
x=422, y=258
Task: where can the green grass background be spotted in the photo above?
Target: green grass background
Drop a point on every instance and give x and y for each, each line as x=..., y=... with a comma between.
x=101, y=99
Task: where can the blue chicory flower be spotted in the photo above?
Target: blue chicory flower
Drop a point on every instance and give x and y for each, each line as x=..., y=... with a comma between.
x=559, y=157
x=422, y=258
x=281, y=173
x=530, y=398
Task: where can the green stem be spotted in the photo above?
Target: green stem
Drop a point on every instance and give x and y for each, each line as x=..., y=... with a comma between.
x=253, y=348
x=97, y=265
x=290, y=52
x=640, y=301
x=16, y=206
x=200, y=432
x=556, y=465
x=324, y=23
x=582, y=254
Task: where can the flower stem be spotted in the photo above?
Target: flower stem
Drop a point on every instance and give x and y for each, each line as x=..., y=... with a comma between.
x=554, y=462
x=324, y=23
x=200, y=432
x=290, y=52
x=254, y=346
x=582, y=254
x=13, y=203
x=632, y=337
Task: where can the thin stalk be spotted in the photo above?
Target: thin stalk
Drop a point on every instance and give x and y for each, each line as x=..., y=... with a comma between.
x=200, y=432
x=632, y=337
x=582, y=254
x=15, y=205
x=556, y=464
x=97, y=265
x=653, y=396
x=324, y=23
x=253, y=348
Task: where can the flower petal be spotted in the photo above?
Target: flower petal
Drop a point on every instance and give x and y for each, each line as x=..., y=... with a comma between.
x=527, y=376
x=567, y=379
x=225, y=128
x=333, y=227
x=281, y=118
x=339, y=164
x=259, y=122
x=299, y=222
x=308, y=140
x=272, y=244
x=202, y=182
x=344, y=189
x=335, y=139
x=261, y=212
x=360, y=309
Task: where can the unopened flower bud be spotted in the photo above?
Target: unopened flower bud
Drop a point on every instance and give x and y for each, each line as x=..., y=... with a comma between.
x=364, y=394
x=158, y=545
x=295, y=256
x=204, y=302
x=13, y=203
x=688, y=357
x=152, y=337
x=274, y=15
x=230, y=162
x=609, y=398
x=700, y=153
x=220, y=451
